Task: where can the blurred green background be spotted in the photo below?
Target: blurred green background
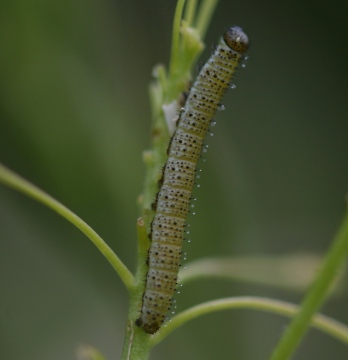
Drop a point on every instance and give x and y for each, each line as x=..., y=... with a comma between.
x=75, y=119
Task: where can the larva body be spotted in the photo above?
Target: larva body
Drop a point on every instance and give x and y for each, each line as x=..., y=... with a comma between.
x=173, y=198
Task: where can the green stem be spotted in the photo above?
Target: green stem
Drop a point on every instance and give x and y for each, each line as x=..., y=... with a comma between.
x=271, y=270
x=190, y=11
x=205, y=14
x=16, y=182
x=321, y=322
x=175, y=51
x=315, y=296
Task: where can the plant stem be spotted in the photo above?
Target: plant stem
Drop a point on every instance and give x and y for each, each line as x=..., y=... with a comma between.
x=315, y=296
x=175, y=51
x=322, y=322
x=205, y=14
x=16, y=182
x=190, y=11
x=294, y=272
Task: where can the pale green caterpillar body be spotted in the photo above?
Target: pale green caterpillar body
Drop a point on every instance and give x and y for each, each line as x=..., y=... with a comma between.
x=174, y=196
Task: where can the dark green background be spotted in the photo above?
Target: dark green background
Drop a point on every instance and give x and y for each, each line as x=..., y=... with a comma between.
x=75, y=118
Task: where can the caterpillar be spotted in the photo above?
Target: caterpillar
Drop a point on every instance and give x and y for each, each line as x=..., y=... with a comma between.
x=173, y=199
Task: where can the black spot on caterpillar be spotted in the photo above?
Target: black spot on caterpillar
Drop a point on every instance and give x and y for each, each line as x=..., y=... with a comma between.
x=173, y=199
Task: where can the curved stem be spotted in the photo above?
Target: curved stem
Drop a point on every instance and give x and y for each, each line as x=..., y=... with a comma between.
x=289, y=271
x=316, y=295
x=16, y=182
x=321, y=322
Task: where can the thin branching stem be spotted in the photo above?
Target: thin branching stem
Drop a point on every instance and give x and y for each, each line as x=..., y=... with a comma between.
x=321, y=322
x=190, y=11
x=16, y=182
x=204, y=16
x=316, y=295
x=175, y=52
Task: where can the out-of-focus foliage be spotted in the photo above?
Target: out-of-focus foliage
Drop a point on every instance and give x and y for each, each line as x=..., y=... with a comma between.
x=74, y=120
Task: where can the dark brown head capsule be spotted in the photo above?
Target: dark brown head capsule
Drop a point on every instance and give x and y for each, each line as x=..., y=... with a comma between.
x=236, y=39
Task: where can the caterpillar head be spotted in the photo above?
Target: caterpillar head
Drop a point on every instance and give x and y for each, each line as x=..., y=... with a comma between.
x=236, y=39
